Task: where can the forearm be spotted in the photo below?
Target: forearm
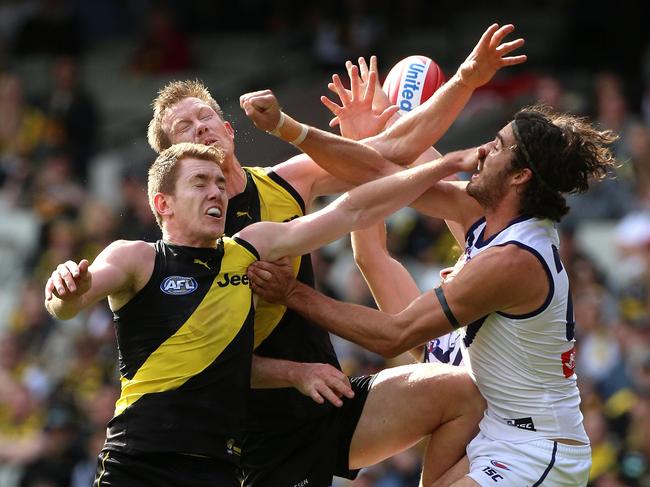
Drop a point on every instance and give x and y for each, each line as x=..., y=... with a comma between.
x=345, y=159
x=412, y=134
x=378, y=199
x=372, y=329
x=361, y=207
x=390, y=283
x=64, y=310
x=268, y=373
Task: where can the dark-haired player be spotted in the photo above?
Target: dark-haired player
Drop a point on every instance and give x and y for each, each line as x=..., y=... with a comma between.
x=510, y=293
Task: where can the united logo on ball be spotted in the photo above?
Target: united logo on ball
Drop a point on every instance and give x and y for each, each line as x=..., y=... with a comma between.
x=412, y=81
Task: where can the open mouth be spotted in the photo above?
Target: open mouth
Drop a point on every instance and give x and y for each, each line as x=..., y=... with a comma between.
x=214, y=212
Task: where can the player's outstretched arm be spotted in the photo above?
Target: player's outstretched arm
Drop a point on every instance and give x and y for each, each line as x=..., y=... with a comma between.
x=359, y=208
x=346, y=160
x=119, y=271
x=390, y=283
x=412, y=134
x=518, y=285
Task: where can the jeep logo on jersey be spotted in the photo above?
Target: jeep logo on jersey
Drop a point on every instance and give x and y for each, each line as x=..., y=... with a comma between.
x=235, y=280
x=178, y=285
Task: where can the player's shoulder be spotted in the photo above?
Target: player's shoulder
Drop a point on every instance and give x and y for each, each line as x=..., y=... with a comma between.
x=296, y=167
x=129, y=253
x=510, y=257
x=137, y=247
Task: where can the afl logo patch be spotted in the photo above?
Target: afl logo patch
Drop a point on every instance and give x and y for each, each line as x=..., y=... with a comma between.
x=499, y=465
x=178, y=285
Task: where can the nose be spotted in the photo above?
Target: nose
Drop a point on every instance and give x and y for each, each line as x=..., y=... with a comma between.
x=487, y=146
x=201, y=128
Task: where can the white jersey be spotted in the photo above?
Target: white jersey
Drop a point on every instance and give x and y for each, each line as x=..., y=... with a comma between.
x=524, y=364
x=445, y=349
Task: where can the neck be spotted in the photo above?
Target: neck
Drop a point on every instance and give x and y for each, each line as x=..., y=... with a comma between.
x=496, y=219
x=174, y=238
x=235, y=176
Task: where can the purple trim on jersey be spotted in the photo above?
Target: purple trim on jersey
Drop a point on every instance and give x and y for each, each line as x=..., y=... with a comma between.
x=472, y=331
x=474, y=226
x=549, y=467
x=558, y=261
x=480, y=243
x=551, y=287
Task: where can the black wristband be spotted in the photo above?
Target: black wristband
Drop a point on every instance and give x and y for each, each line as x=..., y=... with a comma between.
x=446, y=309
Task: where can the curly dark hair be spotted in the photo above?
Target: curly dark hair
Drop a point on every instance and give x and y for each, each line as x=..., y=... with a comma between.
x=564, y=152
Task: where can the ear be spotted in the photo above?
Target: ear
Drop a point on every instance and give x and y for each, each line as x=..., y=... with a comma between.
x=163, y=204
x=229, y=129
x=522, y=176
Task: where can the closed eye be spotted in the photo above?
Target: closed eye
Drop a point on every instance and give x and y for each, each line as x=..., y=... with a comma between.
x=182, y=128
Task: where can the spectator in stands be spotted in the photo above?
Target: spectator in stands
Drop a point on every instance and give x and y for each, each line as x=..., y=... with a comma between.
x=164, y=49
x=72, y=119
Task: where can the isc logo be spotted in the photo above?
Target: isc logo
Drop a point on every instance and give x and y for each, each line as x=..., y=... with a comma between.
x=178, y=285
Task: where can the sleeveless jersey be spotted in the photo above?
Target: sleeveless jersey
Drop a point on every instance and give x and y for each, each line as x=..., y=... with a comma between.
x=445, y=349
x=280, y=333
x=185, y=346
x=524, y=364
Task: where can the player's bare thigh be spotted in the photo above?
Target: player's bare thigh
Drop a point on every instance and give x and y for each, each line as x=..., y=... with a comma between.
x=465, y=482
x=407, y=403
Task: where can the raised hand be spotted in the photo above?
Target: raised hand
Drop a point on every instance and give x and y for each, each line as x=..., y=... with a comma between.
x=263, y=108
x=69, y=281
x=489, y=55
x=364, y=109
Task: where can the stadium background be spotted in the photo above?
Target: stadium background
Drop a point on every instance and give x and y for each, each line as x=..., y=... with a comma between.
x=76, y=81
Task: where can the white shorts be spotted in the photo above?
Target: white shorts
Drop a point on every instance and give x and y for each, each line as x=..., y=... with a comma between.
x=529, y=464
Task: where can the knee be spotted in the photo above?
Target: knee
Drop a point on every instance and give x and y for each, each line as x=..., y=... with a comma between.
x=469, y=397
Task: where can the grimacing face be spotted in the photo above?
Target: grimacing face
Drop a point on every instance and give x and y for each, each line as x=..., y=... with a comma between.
x=488, y=185
x=193, y=120
x=199, y=203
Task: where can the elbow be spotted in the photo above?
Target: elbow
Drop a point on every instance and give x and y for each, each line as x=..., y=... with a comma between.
x=390, y=345
x=59, y=313
x=361, y=260
x=389, y=350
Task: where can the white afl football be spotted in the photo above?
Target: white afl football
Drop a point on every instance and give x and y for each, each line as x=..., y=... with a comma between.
x=412, y=81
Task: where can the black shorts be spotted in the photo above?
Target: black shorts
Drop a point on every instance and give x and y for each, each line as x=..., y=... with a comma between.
x=312, y=454
x=162, y=470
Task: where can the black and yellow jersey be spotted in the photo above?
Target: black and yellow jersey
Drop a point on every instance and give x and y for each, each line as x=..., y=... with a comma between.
x=185, y=345
x=279, y=333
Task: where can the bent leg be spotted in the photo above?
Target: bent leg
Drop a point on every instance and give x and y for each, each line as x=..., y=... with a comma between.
x=412, y=401
x=454, y=474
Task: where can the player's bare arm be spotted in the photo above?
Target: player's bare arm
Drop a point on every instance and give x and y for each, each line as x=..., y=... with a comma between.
x=423, y=127
x=517, y=284
x=350, y=161
x=321, y=382
x=390, y=283
x=360, y=208
x=118, y=272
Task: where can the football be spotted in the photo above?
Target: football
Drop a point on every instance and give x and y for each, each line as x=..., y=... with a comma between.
x=412, y=81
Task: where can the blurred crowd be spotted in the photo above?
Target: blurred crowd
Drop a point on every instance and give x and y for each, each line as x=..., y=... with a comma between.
x=59, y=380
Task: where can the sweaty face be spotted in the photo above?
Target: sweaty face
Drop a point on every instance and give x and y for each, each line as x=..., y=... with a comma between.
x=489, y=184
x=193, y=120
x=199, y=203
